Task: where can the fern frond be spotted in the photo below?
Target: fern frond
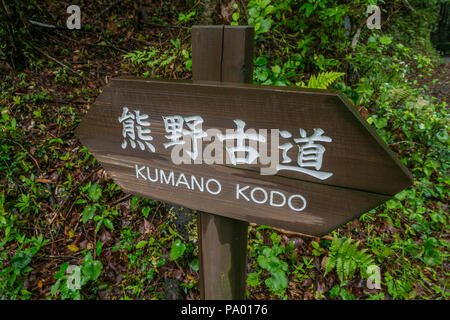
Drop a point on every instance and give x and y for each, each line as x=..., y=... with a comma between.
x=347, y=268
x=346, y=258
x=335, y=245
x=344, y=247
x=353, y=268
x=331, y=263
x=324, y=79
x=340, y=268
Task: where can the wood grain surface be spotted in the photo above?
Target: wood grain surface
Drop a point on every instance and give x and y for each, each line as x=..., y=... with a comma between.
x=365, y=172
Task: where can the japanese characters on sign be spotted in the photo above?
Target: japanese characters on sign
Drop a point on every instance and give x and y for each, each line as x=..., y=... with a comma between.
x=178, y=129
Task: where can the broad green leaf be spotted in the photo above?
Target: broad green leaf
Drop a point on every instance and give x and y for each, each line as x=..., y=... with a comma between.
x=177, y=249
x=62, y=270
x=385, y=40
x=108, y=224
x=95, y=192
x=88, y=213
x=253, y=279
x=141, y=244
x=91, y=270
x=276, y=69
x=265, y=25
x=278, y=281
x=261, y=61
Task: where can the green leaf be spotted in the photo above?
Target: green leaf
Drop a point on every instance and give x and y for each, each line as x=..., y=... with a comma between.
x=177, y=250
x=99, y=224
x=141, y=244
x=276, y=238
x=21, y=260
x=253, y=12
x=145, y=211
x=276, y=69
x=380, y=122
x=308, y=7
x=160, y=262
x=261, y=61
x=108, y=224
x=334, y=292
x=442, y=136
x=133, y=203
x=194, y=265
x=264, y=3
x=55, y=287
x=88, y=213
x=385, y=40
x=62, y=271
x=278, y=281
x=270, y=9
x=189, y=64
x=253, y=279
x=98, y=247
x=263, y=262
x=91, y=270
x=263, y=75
x=265, y=25
x=95, y=192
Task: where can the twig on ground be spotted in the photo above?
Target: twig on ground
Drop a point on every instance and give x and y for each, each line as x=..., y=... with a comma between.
x=121, y=200
x=170, y=26
x=55, y=60
x=109, y=45
x=291, y=233
x=51, y=26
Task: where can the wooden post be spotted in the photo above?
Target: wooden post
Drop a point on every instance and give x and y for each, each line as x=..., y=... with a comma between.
x=222, y=53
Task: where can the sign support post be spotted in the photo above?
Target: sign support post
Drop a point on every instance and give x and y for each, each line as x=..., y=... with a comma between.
x=222, y=53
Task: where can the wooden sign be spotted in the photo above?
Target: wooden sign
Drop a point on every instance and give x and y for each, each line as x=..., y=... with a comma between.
x=299, y=159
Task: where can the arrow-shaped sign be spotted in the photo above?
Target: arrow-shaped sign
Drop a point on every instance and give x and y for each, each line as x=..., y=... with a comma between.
x=300, y=159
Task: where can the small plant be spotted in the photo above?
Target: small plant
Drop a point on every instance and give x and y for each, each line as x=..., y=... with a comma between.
x=96, y=205
x=268, y=259
x=322, y=81
x=300, y=271
x=186, y=17
x=346, y=258
x=342, y=292
x=153, y=62
x=260, y=12
x=68, y=286
x=12, y=273
x=235, y=15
